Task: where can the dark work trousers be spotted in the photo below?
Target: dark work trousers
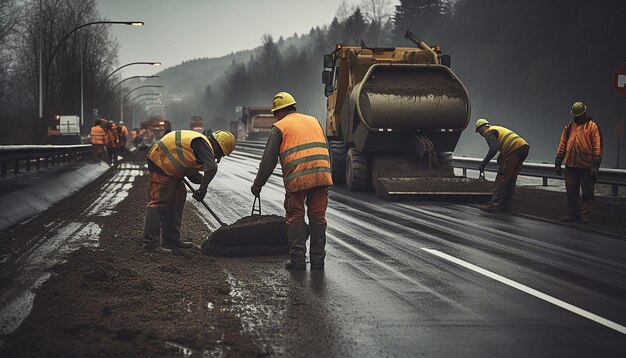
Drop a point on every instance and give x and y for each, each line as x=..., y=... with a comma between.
x=575, y=180
x=508, y=170
x=316, y=200
x=165, y=210
x=112, y=152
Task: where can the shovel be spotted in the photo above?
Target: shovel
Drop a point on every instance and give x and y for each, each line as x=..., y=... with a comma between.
x=193, y=191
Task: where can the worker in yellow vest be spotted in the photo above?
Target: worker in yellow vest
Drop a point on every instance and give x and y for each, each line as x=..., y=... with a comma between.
x=179, y=154
x=299, y=141
x=97, y=136
x=513, y=151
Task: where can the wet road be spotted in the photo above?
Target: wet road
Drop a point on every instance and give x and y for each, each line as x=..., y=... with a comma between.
x=409, y=279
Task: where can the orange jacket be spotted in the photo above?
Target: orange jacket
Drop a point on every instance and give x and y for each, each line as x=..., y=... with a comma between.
x=111, y=138
x=582, y=148
x=304, y=155
x=97, y=135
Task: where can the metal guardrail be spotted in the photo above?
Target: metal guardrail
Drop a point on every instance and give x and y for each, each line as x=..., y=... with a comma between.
x=613, y=177
x=48, y=154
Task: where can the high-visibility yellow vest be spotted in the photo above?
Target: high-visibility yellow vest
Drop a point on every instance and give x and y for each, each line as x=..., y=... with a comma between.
x=97, y=135
x=304, y=154
x=509, y=141
x=173, y=153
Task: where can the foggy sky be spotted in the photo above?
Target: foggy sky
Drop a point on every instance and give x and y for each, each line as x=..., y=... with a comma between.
x=179, y=30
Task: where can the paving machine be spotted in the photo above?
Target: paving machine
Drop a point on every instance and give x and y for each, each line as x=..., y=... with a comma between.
x=394, y=117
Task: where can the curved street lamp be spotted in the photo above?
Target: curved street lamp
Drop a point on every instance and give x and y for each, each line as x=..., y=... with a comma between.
x=131, y=78
x=132, y=107
x=122, y=96
x=130, y=23
x=131, y=64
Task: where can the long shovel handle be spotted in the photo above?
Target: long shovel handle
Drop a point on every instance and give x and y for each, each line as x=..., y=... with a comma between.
x=193, y=191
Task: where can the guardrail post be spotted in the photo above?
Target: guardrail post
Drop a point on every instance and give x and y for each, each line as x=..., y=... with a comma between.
x=545, y=181
x=464, y=172
x=38, y=163
x=45, y=162
x=4, y=169
x=615, y=190
x=27, y=165
x=16, y=167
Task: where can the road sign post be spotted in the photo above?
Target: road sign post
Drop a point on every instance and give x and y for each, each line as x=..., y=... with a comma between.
x=619, y=86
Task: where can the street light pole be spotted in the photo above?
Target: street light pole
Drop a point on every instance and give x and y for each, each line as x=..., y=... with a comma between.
x=134, y=98
x=131, y=23
x=133, y=90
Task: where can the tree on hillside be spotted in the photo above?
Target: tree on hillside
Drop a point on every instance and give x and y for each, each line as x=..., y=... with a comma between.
x=423, y=17
x=376, y=10
x=9, y=18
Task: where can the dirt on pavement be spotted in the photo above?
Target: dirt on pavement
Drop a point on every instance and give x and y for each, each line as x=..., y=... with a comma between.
x=116, y=299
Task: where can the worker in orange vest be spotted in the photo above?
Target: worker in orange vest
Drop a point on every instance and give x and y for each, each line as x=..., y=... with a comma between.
x=122, y=134
x=177, y=155
x=300, y=143
x=111, y=142
x=97, y=136
x=581, y=147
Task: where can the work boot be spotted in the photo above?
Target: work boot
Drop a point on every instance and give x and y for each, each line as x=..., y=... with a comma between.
x=570, y=218
x=585, y=212
x=491, y=208
x=152, y=228
x=178, y=244
x=296, y=236
x=158, y=249
x=318, y=244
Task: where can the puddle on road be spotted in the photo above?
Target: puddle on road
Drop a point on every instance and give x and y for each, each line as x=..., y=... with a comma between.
x=263, y=322
x=34, y=266
x=116, y=190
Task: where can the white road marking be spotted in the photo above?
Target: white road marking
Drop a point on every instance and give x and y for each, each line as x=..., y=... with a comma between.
x=531, y=291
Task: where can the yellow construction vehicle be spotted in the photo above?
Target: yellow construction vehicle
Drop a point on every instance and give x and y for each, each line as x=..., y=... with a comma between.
x=394, y=117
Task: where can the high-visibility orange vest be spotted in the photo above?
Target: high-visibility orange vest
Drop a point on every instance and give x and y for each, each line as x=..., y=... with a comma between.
x=97, y=135
x=304, y=154
x=111, y=137
x=173, y=153
x=509, y=141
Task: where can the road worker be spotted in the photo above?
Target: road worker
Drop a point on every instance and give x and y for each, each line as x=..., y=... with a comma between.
x=122, y=134
x=179, y=154
x=513, y=151
x=111, y=142
x=300, y=143
x=581, y=148
x=97, y=139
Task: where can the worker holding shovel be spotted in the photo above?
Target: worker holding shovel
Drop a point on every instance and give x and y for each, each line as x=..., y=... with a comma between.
x=177, y=155
x=300, y=143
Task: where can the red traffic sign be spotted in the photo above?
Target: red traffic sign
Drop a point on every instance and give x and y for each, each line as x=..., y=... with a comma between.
x=619, y=80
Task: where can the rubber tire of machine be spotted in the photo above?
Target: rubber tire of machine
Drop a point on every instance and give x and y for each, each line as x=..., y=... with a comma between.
x=357, y=177
x=338, y=153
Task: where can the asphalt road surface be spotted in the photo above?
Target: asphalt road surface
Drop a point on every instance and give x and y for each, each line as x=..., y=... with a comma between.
x=411, y=279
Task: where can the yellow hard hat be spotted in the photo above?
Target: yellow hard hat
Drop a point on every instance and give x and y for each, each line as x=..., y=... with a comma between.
x=282, y=100
x=578, y=109
x=481, y=122
x=226, y=140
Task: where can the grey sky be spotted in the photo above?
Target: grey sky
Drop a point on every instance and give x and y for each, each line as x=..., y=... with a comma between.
x=179, y=30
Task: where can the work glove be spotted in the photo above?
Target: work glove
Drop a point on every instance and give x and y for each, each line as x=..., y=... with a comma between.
x=200, y=193
x=557, y=165
x=255, y=190
x=481, y=167
x=195, y=178
x=594, y=170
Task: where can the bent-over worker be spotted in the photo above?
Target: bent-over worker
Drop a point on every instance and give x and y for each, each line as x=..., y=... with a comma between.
x=179, y=154
x=513, y=151
x=300, y=143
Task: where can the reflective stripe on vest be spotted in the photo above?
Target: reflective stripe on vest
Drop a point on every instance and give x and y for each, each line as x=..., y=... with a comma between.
x=509, y=141
x=173, y=153
x=304, y=155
